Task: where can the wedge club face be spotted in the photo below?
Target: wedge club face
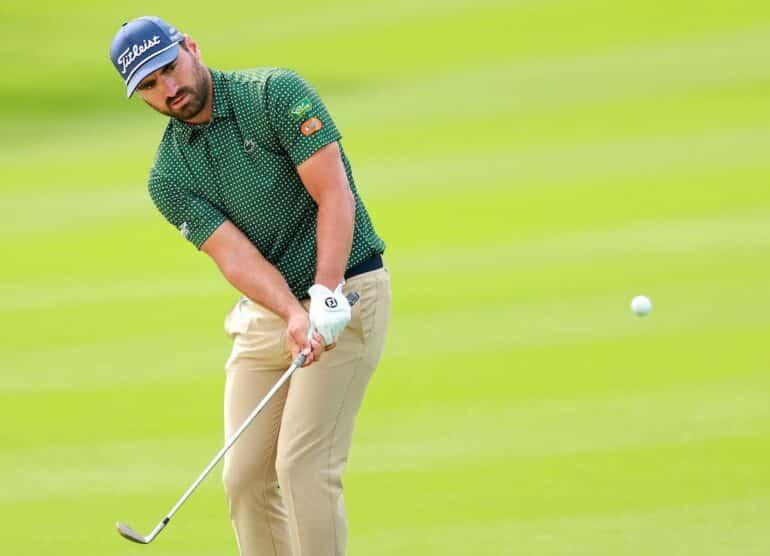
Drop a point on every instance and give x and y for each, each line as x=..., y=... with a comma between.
x=127, y=533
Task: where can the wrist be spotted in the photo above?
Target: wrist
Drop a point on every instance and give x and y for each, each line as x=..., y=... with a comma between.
x=329, y=279
x=292, y=309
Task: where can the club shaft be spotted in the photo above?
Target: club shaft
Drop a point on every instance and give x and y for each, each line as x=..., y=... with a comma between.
x=298, y=361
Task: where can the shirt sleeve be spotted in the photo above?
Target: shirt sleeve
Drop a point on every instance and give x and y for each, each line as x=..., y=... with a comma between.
x=298, y=115
x=193, y=216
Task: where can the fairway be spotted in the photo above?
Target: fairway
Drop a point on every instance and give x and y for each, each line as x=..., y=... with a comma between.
x=531, y=165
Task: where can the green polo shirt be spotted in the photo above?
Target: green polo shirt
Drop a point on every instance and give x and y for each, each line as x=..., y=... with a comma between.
x=241, y=167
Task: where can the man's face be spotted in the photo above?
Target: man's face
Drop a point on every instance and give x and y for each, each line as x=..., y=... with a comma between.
x=179, y=89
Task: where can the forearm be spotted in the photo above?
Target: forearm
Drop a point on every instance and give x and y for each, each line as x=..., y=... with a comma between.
x=261, y=282
x=325, y=178
x=249, y=272
x=336, y=219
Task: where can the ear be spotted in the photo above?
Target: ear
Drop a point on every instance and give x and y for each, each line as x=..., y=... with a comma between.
x=192, y=46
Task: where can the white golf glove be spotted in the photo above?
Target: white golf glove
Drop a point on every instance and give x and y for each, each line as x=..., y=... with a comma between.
x=329, y=312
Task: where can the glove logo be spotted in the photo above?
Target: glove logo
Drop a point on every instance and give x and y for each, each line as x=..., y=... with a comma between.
x=330, y=302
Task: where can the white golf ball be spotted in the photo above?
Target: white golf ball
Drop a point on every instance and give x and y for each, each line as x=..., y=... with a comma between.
x=641, y=305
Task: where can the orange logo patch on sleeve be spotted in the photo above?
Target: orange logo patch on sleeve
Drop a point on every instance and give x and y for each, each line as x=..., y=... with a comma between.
x=309, y=127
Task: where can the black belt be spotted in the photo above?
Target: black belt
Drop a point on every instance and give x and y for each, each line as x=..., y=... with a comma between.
x=372, y=263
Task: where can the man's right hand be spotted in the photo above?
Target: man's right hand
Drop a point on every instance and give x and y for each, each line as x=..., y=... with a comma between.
x=297, y=335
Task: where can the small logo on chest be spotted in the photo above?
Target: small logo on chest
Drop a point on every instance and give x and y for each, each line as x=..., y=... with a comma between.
x=248, y=145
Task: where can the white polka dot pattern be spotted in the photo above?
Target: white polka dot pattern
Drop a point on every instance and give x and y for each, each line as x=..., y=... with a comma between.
x=241, y=166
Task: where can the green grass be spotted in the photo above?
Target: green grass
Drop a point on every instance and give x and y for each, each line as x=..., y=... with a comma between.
x=532, y=165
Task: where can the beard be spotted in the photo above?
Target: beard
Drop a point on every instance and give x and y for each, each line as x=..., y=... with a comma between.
x=196, y=97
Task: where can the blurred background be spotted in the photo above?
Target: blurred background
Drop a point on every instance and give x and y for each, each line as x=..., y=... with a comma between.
x=531, y=164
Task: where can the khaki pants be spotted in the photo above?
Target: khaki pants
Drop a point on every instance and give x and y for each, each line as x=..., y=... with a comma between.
x=301, y=439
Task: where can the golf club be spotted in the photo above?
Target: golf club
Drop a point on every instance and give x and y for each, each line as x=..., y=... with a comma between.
x=128, y=533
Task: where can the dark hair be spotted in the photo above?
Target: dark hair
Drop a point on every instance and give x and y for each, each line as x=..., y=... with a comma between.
x=183, y=46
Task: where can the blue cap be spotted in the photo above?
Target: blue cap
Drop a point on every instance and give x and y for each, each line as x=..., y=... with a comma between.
x=142, y=46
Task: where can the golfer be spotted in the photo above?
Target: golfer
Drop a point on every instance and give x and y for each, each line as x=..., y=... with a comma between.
x=250, y=170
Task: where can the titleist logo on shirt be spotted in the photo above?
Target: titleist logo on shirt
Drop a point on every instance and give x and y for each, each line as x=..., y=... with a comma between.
x=132, y=53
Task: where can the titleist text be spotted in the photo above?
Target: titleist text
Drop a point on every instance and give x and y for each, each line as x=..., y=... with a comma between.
x=132, y=53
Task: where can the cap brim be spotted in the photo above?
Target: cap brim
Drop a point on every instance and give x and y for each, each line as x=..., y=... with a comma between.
x=150, y=65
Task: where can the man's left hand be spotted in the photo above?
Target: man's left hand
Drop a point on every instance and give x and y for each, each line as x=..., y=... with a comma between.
x=329, y=312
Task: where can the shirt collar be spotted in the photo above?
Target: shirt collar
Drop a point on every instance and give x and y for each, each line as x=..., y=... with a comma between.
x=221, y=109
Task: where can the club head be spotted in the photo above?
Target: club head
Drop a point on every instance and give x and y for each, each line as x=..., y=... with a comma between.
x=353, y=298
x=127, y=533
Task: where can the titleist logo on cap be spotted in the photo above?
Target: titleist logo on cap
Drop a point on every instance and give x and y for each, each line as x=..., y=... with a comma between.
x=132, y=53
